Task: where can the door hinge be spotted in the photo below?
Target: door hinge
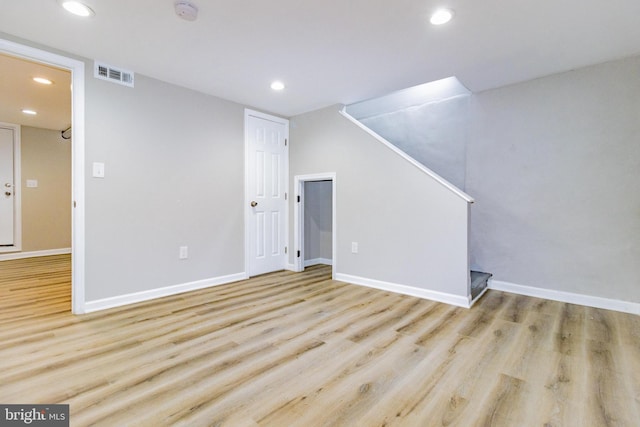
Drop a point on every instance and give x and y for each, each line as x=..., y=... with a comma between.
x=285, y=196
x=298, y=254
x=298, y=199
x=285, y=249
x=285, y=142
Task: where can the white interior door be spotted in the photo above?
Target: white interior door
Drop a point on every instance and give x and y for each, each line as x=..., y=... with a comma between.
x=267, y=172
x=7, y=212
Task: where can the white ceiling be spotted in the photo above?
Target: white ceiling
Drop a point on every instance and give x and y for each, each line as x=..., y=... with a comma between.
x=19, y=91
x=334, y=51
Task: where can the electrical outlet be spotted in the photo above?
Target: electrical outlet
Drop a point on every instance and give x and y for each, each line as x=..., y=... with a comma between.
x=354, y=247
x=184, y=252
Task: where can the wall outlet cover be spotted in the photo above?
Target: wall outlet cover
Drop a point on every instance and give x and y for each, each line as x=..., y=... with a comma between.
x=98, y=170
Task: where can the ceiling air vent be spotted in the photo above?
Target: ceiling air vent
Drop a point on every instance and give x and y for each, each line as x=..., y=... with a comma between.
x=116, y=75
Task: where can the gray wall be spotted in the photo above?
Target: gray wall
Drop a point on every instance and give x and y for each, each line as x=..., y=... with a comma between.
x=410, y=229
x=318, y=234
x=554, y=167
x=435, y=134
x=174, y=169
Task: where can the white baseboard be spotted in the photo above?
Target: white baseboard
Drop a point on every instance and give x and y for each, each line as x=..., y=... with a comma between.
x=317, y=261
x=457, y=300
x=33, y=254
x=290, y=267
x=568, y=297
x=120, y=300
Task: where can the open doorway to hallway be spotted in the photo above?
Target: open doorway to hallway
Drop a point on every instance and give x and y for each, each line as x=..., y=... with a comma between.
x=77, y=69
x=37, y=224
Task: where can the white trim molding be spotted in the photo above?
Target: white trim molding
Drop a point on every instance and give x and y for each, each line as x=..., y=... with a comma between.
x=34, y=254
x=476, y=299
x=568, y=297
x=457, y=300
x=120, y=300
x=464, y=196
x=298, y=219
x=291, y=267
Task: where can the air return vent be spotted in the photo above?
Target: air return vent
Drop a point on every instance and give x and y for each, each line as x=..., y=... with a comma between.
x=116, y=75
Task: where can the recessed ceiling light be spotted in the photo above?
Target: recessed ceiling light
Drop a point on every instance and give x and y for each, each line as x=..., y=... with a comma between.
x=441, y=16
x=29, y=112
x=42, y=80
x=77, y=8
x=277, y=85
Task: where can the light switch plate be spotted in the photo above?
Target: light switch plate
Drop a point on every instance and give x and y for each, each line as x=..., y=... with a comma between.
x=32, y=183
x=184, y=252
x=98, y=170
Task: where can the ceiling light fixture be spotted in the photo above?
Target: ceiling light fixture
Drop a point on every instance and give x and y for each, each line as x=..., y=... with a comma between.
x=441, y=16
x=42, y=80
x=77, y=8
x=29, y=112
x=277, y=85
x=186, y=10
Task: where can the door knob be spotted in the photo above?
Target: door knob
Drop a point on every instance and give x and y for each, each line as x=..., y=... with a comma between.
x=7, y=193
x=7, y=185
x=254, y=204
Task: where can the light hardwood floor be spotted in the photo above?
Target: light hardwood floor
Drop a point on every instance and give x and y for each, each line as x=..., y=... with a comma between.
x=290, y=349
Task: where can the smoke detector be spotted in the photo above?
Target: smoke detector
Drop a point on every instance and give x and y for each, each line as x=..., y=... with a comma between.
x=186, y=10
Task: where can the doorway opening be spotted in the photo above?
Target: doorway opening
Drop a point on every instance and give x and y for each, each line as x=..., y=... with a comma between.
x=76, y=68
x=315, y=221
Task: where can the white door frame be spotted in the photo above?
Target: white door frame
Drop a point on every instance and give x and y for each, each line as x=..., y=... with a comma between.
x=247, y=217
x=77, y=158
x=298, y=218
x=17, y=190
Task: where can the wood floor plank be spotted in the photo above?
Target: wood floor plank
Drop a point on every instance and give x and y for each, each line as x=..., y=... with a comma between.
x=301, y=349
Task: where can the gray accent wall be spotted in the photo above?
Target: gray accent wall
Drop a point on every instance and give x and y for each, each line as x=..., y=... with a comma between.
x=554, y=167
